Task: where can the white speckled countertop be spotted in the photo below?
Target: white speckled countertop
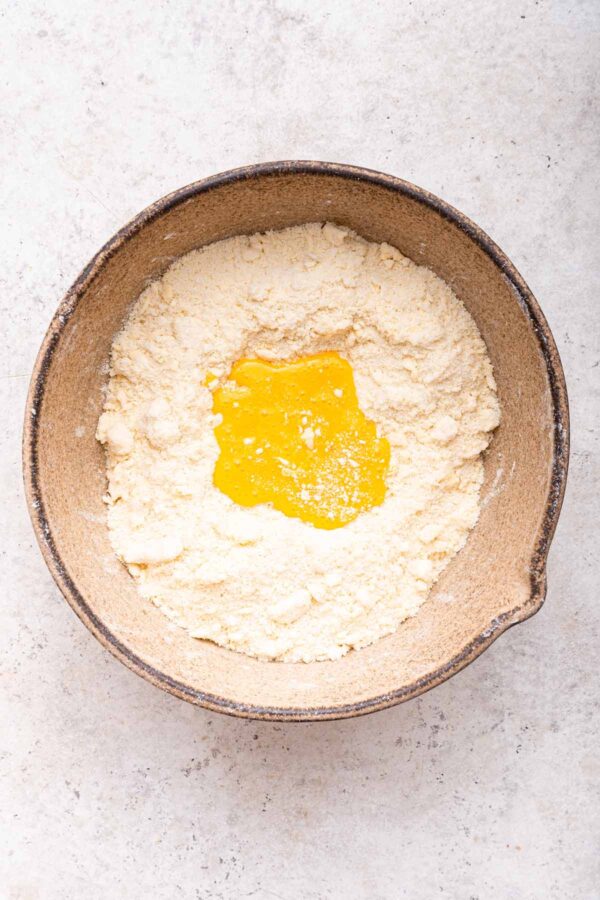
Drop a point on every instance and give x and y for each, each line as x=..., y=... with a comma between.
x=486, y=787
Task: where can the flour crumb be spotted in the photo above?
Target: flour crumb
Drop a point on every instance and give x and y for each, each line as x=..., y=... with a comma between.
x=308, y=436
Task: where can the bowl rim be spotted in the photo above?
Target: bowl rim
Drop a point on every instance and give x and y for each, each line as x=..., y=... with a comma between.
x=560, y=410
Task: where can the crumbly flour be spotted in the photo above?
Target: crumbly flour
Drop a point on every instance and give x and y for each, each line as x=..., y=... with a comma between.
x=253, y=579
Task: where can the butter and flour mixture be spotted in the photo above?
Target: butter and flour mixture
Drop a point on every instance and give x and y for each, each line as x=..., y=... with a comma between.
x=252, y=578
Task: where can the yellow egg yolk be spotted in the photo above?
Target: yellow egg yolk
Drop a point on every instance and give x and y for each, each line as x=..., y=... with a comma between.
x=292, y=435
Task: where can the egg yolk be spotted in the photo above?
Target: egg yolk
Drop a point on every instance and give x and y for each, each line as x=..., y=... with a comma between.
x=292, y=434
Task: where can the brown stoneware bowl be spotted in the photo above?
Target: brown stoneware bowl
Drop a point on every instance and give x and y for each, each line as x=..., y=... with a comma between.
x=497, y=580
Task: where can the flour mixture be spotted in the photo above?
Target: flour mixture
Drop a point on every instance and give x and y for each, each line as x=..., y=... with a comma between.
x=277, y=573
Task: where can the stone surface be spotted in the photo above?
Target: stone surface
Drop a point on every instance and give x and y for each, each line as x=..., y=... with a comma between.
x=488, y=787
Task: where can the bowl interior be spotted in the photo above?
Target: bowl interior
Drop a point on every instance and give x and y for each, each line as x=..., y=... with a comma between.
x=493, y=582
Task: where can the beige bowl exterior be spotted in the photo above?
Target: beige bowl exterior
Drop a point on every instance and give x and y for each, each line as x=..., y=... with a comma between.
x=497, y=580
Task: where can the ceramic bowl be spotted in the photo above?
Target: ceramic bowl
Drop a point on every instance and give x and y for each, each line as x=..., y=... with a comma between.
x=496, y=581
